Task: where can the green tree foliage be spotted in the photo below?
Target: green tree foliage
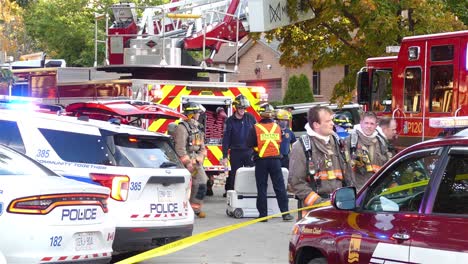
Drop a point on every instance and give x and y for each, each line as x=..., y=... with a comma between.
x=6, y=76
x=347, y=32
x=298, y=90
x=65, y=28
x=459, y=8
x=13, y=39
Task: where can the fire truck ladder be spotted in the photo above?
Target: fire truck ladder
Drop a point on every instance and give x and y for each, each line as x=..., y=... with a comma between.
x=200, y=24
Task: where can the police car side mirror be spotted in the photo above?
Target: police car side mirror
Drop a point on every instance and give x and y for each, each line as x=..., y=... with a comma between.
x=344, y=198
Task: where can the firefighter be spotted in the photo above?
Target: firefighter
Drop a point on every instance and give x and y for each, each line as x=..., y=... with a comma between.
x=388, y=129
x=265, y=139
x=318, y=162
x=190, y=147
x=283, y=118
x=369, y=150
x=235, y=133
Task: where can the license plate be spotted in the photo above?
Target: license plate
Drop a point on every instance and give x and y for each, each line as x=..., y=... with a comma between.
x=165, y=194
x=85, y=241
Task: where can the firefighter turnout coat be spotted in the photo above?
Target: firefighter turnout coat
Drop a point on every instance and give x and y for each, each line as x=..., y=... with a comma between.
x=368, y=154
x=315, y=178
x=190, y=147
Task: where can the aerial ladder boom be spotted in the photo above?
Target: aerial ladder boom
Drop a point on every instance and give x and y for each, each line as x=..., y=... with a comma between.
x=165, y=32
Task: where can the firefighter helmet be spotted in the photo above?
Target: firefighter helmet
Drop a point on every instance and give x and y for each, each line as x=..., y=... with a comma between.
x=342, y=120
x=193, y=108
x=266, y=110
x=282, y=114
x=241, y=101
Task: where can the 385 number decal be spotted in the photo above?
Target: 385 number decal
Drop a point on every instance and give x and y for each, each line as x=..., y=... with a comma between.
x=42, y=153
x=135, y=186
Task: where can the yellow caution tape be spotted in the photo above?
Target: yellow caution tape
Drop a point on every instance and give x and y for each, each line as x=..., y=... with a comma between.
x=404, y=187
x=195, y=239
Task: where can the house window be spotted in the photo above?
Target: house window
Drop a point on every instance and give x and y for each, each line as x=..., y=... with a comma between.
x=316, y=82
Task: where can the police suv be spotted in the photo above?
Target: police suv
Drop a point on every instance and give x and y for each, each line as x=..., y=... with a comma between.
x=150, y=188
x=413, y=210
x=46, y=218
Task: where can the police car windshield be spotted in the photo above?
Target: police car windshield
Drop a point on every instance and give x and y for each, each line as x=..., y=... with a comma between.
x=144, y=152
x=12, y=163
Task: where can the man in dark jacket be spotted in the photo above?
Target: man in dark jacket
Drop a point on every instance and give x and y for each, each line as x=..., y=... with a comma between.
x=235, y=134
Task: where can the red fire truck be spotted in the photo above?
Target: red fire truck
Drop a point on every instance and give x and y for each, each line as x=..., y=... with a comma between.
x=57, y=85
x=155, y=49
x=428, y=78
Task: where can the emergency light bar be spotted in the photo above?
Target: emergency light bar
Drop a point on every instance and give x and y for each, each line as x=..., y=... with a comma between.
x=19, y=99
x=449, y=122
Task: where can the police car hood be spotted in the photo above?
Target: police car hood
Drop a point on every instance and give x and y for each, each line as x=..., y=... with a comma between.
x=36, y=185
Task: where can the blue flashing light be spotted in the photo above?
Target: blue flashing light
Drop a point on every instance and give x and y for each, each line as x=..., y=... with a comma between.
x=19, y=103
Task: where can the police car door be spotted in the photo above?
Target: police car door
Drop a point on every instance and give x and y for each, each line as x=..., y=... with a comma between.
x=382, y=227
x=441, y=236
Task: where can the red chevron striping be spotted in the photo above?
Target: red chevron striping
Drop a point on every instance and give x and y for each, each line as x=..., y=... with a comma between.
x=163, y=127
x=218, y=93
x=211, y=157
x=170, y=96
x=195, y=92
x=235, y=91
x=250, y=109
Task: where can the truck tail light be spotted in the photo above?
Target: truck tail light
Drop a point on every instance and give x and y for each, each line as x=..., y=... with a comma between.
x=117, y=183
x=43, y=204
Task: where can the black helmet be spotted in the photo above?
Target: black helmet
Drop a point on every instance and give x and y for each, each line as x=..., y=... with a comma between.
x=266, y=110
x=193, y=108
x=241, y=101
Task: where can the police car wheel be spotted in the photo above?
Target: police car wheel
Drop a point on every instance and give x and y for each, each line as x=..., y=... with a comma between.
x=230, y=214
x=238, y=213
x=318, y=261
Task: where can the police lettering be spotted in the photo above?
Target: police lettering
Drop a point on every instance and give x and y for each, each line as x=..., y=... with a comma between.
x=164, y=208
x=79, y=214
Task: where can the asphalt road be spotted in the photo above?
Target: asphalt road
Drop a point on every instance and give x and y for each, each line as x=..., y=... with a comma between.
x=255, y=244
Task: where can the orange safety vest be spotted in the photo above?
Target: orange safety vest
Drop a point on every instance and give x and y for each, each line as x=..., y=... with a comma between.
x=268, y=139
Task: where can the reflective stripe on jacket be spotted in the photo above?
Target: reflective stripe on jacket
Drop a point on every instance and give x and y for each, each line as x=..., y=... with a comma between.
x=268, y=139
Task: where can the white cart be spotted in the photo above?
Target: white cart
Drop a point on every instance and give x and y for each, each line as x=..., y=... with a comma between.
x=241, y=202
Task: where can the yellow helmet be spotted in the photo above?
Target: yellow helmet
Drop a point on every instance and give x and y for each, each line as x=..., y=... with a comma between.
x=282, y=114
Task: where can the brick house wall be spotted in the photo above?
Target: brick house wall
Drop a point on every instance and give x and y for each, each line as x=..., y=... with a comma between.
x=262, y=57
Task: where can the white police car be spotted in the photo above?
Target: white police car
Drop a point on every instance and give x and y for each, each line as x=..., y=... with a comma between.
x=46, y=218
x=150, y=188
